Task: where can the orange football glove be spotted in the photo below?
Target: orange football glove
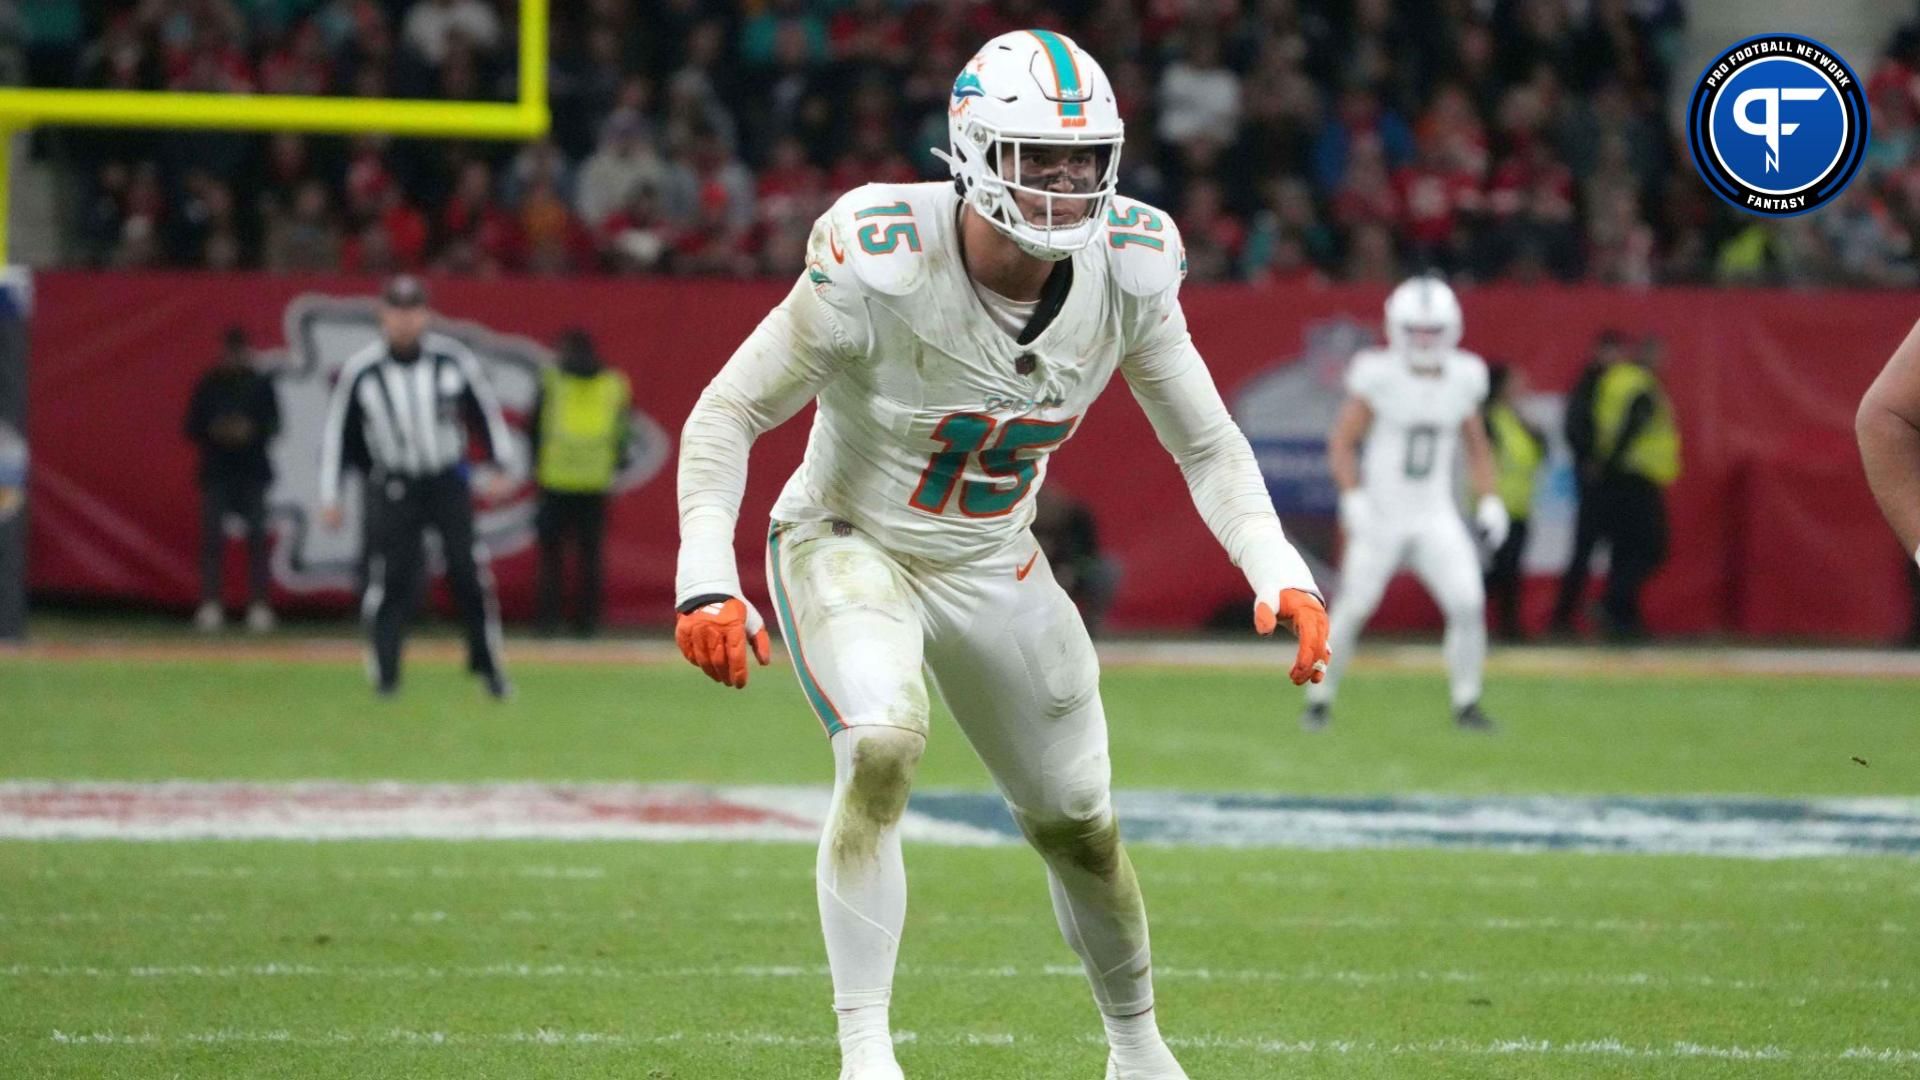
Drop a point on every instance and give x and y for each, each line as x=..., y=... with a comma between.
x=1302, y=613
x=715, y=636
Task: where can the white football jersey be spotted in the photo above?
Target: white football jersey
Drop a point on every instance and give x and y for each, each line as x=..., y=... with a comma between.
x=1413, y=448
x=934, y=436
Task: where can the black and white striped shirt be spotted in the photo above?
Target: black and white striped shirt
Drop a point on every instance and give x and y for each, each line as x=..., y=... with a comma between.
x=409, y=417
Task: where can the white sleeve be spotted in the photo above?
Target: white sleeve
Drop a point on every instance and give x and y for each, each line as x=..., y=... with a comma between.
x=341, y=413
x=798, y=348
x=1173, y=386
x=499, y=436
x=333, y=432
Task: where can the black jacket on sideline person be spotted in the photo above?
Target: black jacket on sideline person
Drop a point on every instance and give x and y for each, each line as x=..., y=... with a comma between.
x=232, y=417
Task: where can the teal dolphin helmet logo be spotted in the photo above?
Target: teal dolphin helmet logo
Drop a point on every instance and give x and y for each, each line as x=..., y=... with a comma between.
x=967, y=85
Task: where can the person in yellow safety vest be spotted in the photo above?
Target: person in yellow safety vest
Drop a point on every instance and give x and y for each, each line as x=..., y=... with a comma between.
x=1518, y=451
x=580, y=442
x=1637, y=446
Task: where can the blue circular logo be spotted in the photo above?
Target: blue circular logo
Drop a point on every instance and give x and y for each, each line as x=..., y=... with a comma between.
x=1778, y=125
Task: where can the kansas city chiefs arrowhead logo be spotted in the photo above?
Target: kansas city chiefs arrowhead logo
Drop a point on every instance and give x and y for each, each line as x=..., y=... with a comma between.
x=322, y=333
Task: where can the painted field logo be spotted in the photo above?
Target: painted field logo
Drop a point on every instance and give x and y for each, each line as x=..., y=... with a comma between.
x=1778, y=125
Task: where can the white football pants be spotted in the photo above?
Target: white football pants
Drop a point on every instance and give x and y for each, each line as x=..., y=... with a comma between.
x=1010, y=656
x=1442, y=554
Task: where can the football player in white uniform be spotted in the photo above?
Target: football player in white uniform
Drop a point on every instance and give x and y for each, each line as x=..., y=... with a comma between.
x=954, y=335
x=1416, y=405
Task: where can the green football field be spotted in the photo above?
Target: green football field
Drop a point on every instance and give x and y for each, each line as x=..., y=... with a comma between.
x=627, y=958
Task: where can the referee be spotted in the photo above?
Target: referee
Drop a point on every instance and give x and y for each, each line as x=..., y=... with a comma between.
x=401, y=412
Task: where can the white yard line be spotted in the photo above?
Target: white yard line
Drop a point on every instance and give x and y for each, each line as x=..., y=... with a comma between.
x=1858, y=878
x=1524, y=924
x=1305, y=976
x=1522, y=1046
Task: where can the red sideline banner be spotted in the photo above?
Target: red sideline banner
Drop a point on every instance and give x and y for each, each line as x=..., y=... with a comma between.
x=1774, y=530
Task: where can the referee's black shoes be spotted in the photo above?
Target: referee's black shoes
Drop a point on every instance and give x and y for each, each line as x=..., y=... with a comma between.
x=497, y=685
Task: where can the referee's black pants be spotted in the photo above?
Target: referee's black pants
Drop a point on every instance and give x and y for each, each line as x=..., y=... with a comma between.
x=400, y=510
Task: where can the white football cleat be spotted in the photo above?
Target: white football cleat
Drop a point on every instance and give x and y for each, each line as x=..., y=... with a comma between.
x=209, y=618
x=1166, y=1068
x=260, y=619
x=870, y=1061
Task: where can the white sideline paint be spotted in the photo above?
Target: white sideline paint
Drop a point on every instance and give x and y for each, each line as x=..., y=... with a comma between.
x=1302, y=976
x=337, y=810
x=1267, y=1047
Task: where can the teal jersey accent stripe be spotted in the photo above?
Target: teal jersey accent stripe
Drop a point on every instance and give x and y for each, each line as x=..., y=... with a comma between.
x=1066, y=75
x=822, y=708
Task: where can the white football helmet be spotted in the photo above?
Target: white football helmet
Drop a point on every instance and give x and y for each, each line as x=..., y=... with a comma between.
x=1423, y=320
x=1028, y=88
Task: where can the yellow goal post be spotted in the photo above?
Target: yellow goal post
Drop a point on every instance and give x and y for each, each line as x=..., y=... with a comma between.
x=524, y=118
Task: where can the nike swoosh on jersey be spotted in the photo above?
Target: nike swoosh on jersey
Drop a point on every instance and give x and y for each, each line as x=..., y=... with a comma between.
x=833, y=245
x=1021, y=574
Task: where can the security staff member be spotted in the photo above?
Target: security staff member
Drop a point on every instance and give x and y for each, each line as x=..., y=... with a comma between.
x=1637, y=446
x=1610, y=349
x=402, y=411
x=580, y=442
x=233, y=417
x=1518, y=450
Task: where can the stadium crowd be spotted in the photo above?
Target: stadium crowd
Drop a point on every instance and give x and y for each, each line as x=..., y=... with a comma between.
x=1494, y=139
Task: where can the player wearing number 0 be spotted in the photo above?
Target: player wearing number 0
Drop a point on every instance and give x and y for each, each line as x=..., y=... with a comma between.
x=1416, y=404
x=954, y=335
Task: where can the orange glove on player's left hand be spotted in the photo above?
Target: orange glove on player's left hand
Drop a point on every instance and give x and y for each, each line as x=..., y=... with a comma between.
x=1303, y=613
x=715, y=636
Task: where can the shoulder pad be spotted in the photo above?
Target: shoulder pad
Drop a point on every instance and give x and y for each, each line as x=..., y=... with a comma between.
x=1366, y=370
x=1474, y=372
x=878, y=235
x=1143, y=247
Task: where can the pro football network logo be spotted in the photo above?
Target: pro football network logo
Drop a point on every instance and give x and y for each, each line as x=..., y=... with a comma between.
x=1778, y=125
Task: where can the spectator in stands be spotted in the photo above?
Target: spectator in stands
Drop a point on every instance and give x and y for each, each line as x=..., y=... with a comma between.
x=759, y=33
x=636, y=238
x=1518, y=451
x=1370, y=255
x=232, y=417
x=1214, y=237
x=1534, y=119
x=624, y=161
x=1359, y=117
x=580, y=434
x=433, y=26
x=304, y=238
x=1199, y=97
x=476, y=234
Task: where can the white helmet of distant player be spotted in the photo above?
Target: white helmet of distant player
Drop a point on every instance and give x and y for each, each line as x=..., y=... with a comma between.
x=1423, y=321
x=1021, y=90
